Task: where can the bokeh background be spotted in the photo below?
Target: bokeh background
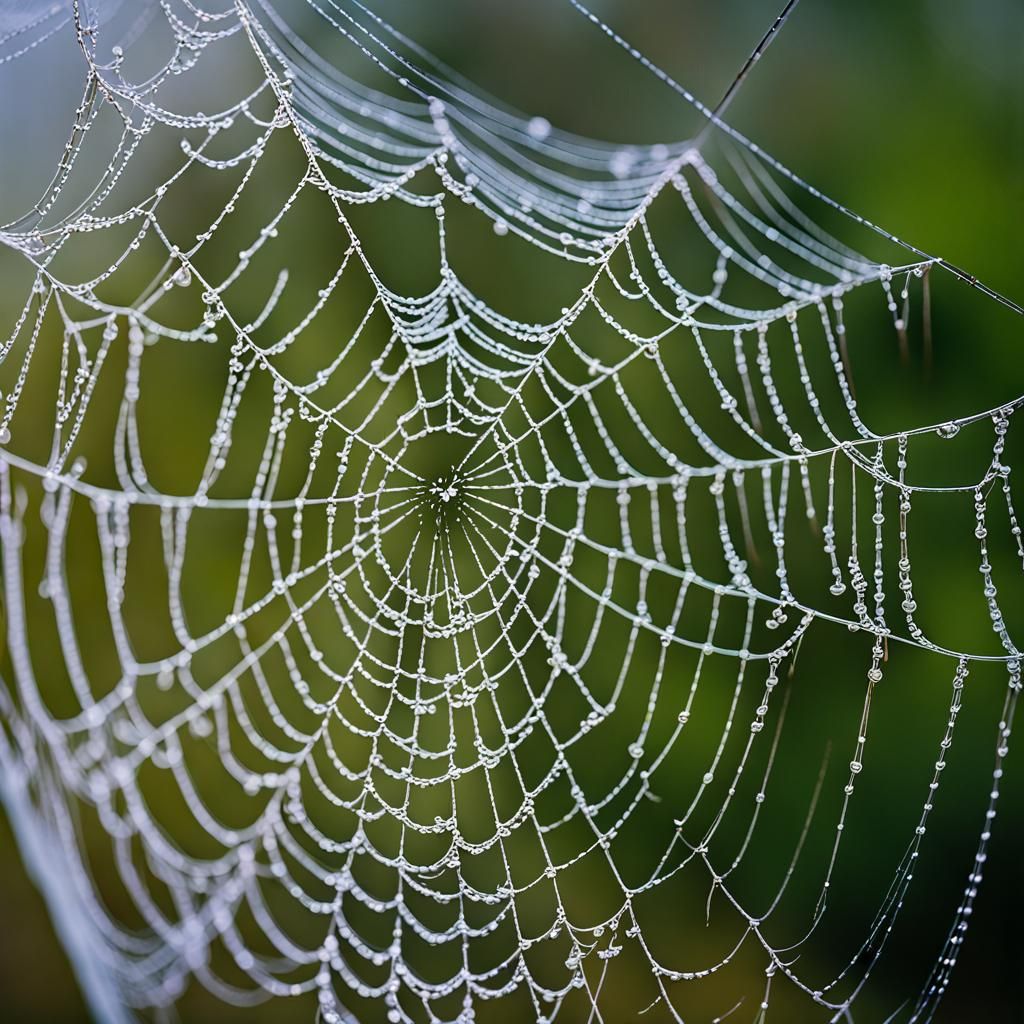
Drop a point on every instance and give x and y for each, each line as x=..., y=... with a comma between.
x=910, y=113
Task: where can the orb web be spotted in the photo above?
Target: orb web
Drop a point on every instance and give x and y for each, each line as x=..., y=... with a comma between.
x=412, y=658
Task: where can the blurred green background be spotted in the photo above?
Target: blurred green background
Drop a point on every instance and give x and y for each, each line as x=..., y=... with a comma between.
x=911, y=114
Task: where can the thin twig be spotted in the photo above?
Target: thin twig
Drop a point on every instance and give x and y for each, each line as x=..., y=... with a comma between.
x=755, y=56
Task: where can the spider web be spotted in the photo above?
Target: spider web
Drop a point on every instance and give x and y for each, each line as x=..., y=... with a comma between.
x=373, y=647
